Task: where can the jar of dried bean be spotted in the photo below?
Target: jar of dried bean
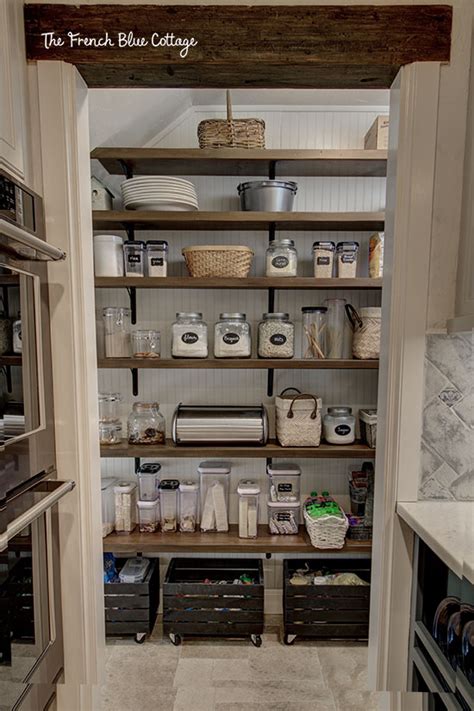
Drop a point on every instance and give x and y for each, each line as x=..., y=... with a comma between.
x=276, y=336
x=146, y=424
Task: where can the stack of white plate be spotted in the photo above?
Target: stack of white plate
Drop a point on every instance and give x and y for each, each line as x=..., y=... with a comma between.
x=159, y=192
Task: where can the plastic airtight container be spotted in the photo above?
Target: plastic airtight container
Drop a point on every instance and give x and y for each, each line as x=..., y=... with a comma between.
x=148, y=481
x=249, y=494
x=169, y=505
x=214, y=480
x=125, y=495
x=188, y=506
x=108, y=505
x=284, y=482
x=284, y=518
x=368, y=427
x=148, y=516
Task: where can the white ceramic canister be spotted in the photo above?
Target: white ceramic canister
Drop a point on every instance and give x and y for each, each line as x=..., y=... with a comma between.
x=108, y=256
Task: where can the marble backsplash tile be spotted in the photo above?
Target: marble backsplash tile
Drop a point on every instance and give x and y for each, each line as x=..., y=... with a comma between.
x=447, y=447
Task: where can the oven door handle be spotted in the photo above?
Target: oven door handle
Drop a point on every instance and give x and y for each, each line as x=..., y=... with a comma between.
x=18, y=524
x=47, y=251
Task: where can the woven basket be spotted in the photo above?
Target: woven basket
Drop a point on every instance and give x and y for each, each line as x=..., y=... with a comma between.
x=218, y=261
x=298, y=420
x=326, y=531
x=231, y=133
x=367, y=328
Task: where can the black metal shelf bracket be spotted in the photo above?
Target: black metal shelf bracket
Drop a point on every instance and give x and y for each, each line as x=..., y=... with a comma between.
x=271, y=306
x=134, y=372
x=127, y=170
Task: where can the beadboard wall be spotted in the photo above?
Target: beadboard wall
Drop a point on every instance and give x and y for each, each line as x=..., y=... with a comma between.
x=156, y=309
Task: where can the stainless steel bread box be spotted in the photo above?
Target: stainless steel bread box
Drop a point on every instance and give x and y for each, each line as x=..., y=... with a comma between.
x=220, y=424
x=267, y=195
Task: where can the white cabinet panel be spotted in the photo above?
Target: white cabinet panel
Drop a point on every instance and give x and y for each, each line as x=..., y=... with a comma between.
x=13, y=89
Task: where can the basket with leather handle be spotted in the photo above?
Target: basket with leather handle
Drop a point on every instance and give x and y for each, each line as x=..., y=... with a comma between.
x=230, y=132
x=298, y=419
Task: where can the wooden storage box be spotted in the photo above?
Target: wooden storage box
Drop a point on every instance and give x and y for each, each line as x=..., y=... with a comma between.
x=193, y=607
x=377, y=135
x=326, y=611
x=131, y=608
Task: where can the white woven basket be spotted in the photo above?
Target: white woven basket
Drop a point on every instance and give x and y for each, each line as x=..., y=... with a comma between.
x=367, y=328
x=298, y=419
x=326, y=531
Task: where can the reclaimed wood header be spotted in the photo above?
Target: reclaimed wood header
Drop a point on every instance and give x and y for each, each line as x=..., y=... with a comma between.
x=229, y=46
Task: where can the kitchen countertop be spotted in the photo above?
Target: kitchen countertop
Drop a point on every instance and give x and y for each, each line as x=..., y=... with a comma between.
x=447, y=527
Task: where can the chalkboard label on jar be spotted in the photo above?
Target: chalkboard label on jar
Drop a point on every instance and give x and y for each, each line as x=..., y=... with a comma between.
x=323, y=260
x=280, y=262
x=348, y=258
x=189, y=337
x=231, y=338
x=278, y=339
x=285, y=487
x=283, y=516
x=342, y=430
x=134, y=258
x=157, y=261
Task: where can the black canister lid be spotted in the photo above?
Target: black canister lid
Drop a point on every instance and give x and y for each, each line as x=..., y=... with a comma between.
x=134, y=242
x=149, y=468
x=169, y=484
x=157, y=243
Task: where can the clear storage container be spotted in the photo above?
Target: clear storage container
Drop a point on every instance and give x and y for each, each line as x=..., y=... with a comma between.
x=276, y=336
x=368, y=427
x=145, y=344
x=157, y=258
x=134, y=253
x=110, y=433
x=148, y=516
x=188, y=506
x=339, y=425
x=169, y=505
x=117, y=331
x=232, y=336
x=125, y=495
x=146, y=424
x=284, y=482
x=323, y=259
x=249, y=495
x=336, y=321
x=189, y=336
x=281, y=258
x=346, y=259
x=108, y=505
x=109, y=404
x=284, y=517
x=313, y=331
x=214, y=478
x=148, y=481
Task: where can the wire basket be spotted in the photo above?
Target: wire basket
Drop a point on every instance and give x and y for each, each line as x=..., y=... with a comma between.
x=231, y=133
x=327, y=531
x=218, y=260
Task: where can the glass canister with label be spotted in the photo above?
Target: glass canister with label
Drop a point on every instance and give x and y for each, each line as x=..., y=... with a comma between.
x=157, y=258
x=189, y=336
x=281, y=258
x=134, y=253
x=339, y=425
x=276, y=336
x=232, y=336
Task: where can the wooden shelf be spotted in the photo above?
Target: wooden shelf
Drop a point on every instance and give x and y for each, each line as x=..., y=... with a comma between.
x=238, y=363
x=232, y=161
x=237, y=220
x=10, y=360
x=223, y=543
x=272, y=449
x=186, y=282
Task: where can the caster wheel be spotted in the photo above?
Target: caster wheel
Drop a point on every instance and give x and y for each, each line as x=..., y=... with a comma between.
x=175, y=639
x=289, y=639
x=256, y=640
x=140, y=637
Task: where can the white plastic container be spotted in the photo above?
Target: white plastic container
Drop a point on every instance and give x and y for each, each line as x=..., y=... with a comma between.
x=125, y=495
x=149, y=481
x=284, y=518
x=148, y=516
x=108, y=256
x=188, y=506
x=169, y=505
x=284, y=482
x=108, y=505
x=214, y=484
x=249, y=494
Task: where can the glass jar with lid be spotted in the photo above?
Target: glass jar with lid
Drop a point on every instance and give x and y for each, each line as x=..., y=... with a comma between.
x=157, y=257
x=313, y=332
x=189, y=336
x=145, y=344
x=232, y=336
x=339, y=425
x=146, y=424
x=276, y=336
x=134, y=253
x=117, y=320
x=188, y=506
x=281, y=258
x=109, y=404
x=110, y=433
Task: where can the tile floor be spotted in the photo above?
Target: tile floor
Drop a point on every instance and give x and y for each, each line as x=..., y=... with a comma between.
x=233, y=675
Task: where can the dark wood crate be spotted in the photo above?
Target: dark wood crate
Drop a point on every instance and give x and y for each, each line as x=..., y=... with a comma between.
x=192, y=607
x=327, y=611
x=131, y=608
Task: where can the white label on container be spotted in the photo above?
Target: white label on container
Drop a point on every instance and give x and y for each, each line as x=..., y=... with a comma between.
x=278, y=339
x=156, y=261
x=280, y=262
x=189, y=337
x=283, y=516
x=134, y=258
x=285, y=487
x=231, y=338
x=348, y=258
